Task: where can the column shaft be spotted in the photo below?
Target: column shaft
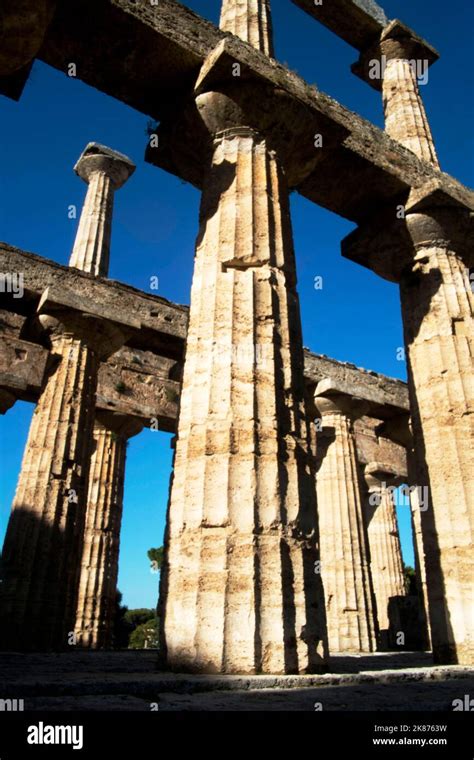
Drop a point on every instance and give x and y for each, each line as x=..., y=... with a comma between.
x=238, y=588
x=41, y=555
x=250, y=20
x=437, y=308
x=91, y=250
x=343, y=540
x=405, y=115
x=99, y=571
x=385, y=555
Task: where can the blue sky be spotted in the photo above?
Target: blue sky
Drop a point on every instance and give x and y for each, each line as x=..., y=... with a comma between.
x=355, y=317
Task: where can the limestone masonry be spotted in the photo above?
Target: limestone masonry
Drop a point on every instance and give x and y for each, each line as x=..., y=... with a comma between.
x=282, y=543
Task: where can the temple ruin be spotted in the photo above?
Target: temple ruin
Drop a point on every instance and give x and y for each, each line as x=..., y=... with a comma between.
x=282, y=543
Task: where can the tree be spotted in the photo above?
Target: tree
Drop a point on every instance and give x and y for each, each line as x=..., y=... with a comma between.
x=137, y=617
x=410, y=581
x=145, y=636
x=156, y=557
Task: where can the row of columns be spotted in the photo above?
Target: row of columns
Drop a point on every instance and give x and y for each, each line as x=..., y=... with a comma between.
x=239, y=591
x=429, y=252
x=61, y=547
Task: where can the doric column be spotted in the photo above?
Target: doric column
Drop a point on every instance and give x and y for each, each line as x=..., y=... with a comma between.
x=43, y=544
x=42, y=549
x=250, y=20
x=438, y=316
x=429, y=252
x=395, y=64
x=386, y=563
x=239, y=592
x=105, y=171
x=344, y=548
x=98, y=580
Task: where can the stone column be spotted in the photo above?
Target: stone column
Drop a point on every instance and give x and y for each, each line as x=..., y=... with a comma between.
x=42, y=549
x=250, y=20
x=428, y=251
x=395, y=64
x=438, y=309
x=239, y=591
x=105, y=171
x=384, y=541
x=345, y=558
x=98, y=580
x=43, y=544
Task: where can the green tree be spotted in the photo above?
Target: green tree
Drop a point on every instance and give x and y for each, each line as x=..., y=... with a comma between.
x=137, y=617
x=156, y=558
x=145, y=636
x=410, y=581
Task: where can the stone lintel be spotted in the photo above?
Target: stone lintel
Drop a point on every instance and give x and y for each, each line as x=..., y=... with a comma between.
x=22, y=366
x=59, y=300
x=375, y=443
x=387, y=396
x=132, y=383
x=160, y=67
x=358, y=22
x=163, y=323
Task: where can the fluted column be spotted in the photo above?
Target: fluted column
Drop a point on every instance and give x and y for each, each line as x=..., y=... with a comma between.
x=250, y=20
x=42, y=550
x=438, y=315
x=394, y=64
x=99, y=570
x=105, y=171
x=343, y=540
x=405, y=115
x=239, y=590
x=386, y=563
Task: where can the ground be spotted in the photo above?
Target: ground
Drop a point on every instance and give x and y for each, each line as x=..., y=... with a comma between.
x=130, y=681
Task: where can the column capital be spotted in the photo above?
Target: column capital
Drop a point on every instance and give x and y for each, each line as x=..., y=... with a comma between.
x=435, y=215
x=380, y=474
x=339, y=403
x=99, y=158
x=123, y=425
x=396, y=42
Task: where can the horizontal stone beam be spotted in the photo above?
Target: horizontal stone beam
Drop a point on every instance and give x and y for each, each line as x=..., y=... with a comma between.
x=373, y=447
x=143, y=377
x=358, y=22
x=155, y=323
x=386, y=397
x=150, y=57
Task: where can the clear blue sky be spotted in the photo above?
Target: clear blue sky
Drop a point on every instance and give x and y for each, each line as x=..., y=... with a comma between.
x=356, y=317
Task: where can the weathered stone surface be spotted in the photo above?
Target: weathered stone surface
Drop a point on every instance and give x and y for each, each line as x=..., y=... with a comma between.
x=343, y=541
x=163, y=324
x=99, y=568
x=386, y=563
x=105, y=171
x=238, y=590
x=358, y=22
x=156, y=56
x=241, y=517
